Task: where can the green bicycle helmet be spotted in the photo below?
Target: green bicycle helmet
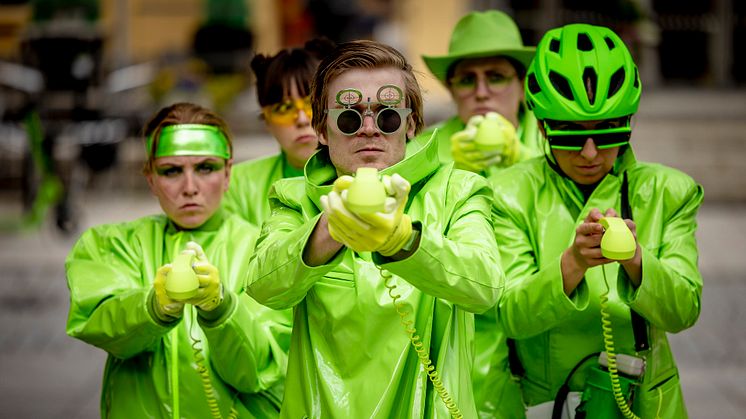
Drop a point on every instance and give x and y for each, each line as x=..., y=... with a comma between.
x=582, y=73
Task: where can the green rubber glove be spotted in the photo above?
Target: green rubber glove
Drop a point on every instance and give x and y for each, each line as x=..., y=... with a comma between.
x=384, y=232
x=165, y=308
x=210, y=292
x=488, y=140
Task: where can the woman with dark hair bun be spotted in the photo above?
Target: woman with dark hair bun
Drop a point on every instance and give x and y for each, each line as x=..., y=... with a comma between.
x=283, y=83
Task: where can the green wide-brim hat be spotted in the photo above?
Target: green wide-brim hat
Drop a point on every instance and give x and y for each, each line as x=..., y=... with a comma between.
x=482, y=34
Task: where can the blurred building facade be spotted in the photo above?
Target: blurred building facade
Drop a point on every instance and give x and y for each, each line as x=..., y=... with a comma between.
x=689, y=42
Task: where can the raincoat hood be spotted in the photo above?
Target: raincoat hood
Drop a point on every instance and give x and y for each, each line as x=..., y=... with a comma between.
x=421, y=160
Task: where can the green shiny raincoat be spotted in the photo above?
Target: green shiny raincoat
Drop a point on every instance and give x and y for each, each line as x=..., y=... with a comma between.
x=250, y=184
x=110, y=272
x=496, y=390
x=350, y=356
x=537, y=212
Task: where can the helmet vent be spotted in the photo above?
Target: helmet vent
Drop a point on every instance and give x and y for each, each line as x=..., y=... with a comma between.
x=533, y=85
x=617, y=80
x=637, y=79
x=554, y=45
x=590, y=80
x=609, y=43
x=561, y=85
x=584, y=43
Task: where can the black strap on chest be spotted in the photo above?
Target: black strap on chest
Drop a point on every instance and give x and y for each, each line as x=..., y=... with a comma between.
x=639, y=324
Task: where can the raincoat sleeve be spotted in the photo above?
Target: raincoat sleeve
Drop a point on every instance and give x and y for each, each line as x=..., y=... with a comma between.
x=462, y=264
x=109, y=295
x=534, y=300
x=670, y=293
x=278, y=276
x=248, y=342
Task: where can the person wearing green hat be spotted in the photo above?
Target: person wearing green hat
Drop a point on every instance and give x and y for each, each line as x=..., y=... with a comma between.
x=588, y=317
x=483, y=71
x=203, y=350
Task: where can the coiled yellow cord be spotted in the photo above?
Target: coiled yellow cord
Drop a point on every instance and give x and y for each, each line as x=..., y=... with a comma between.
x=204, y=374
x=616, y=386
x=419, y=347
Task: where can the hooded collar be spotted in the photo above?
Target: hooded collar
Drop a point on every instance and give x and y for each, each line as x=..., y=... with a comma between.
x=420, y=161
x=572, y=193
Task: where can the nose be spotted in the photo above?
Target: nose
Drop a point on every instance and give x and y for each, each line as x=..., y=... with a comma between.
x=190, y=184
x=589, y=151
x=302, y=118
x=480, y=88
x=369, y=124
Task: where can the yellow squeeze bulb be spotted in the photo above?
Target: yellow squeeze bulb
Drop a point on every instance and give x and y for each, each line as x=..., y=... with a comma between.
x=182, y=283
x=366, y=194
x=618, y=243
x=489, y=133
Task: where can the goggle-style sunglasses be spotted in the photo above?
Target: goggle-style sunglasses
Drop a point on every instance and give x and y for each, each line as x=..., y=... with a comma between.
x=575, y=140
x=286, y=112
x=387, y=117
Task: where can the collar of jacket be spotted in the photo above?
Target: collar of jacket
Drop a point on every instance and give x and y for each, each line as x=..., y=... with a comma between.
x=420, y=161
x=287, y=169
x=212, y=224
x=612, y=179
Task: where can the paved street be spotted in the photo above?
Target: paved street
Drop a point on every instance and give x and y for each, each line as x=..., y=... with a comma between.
x=45, y=374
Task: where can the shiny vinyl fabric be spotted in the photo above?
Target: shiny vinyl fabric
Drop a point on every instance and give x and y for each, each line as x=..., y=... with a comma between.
x=496, y=390
x=537, y=211
x=350, y=356
x=249, y=186
x=109, y=273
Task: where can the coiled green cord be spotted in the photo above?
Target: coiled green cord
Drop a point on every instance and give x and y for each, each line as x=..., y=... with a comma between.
x=616, y=386
x=419, y=347
x=204, y=374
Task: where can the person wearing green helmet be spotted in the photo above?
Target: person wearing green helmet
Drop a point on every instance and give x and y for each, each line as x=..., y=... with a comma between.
x=205, y=350
x=382, y=295
x=570, y=307
x=484, y=71
x=283, y=83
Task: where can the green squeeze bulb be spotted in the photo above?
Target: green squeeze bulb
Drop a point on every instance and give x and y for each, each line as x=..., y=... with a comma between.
x=182, y=283
x=618, y=243
x=366, y=194
x=489, y=134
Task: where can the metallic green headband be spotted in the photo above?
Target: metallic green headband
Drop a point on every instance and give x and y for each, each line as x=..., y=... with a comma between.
x=190, y=140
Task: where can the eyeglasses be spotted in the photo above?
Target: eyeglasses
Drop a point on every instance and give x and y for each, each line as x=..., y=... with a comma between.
x=286, y=112
x=388, y=119
x=465, y=84
x=575, y=140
